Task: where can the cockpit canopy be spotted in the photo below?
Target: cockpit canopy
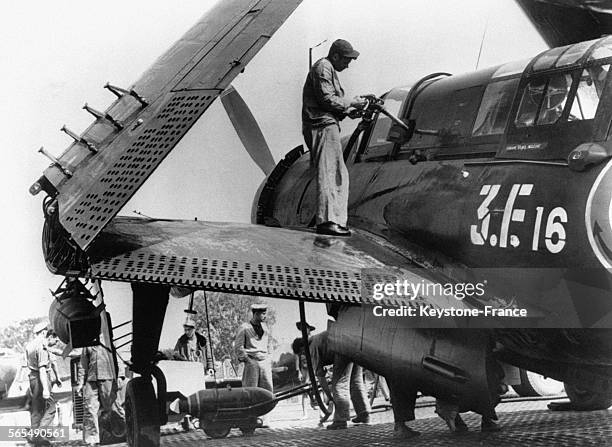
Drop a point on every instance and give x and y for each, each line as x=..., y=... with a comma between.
x=552, y=102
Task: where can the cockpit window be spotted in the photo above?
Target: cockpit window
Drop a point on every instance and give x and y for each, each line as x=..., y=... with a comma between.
x=495, y=108
x=603, y=50
x=554, y=99
x=383, y=123
x=543, y=100
x=511, y=68
x=574, y=53
x=589, y=92
x=547, y=60
x=530, y=102
x=378, y=145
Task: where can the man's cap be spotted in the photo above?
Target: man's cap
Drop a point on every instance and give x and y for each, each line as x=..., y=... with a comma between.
x=258, y=307
x=298, y=325
x=41, y=326
x=343, y=48
x=189, y=322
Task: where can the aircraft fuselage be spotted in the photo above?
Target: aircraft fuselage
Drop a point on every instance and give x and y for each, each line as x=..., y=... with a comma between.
x=511, y=185
x=505, y=179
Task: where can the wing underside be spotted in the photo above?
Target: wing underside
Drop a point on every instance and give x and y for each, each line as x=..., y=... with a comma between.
x=252, y=259
x=564, y=22
x=107, y=164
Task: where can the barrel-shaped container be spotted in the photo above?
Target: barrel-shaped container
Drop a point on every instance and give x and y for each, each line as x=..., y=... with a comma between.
x=75, y=313
x=252, y=401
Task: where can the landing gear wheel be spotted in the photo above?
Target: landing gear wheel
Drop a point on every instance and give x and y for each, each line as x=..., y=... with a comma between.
x=217, y=431
x=534, y=384
x=587, y=400
x=141, y=414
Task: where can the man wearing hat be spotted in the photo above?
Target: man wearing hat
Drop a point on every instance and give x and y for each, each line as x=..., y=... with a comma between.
x=323, y=107
x=309, y=328
x=42, y=407
x=251, y=346
x=192, y=347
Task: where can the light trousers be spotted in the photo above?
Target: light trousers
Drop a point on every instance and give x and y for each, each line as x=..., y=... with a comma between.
x=347, y=380
x=332, y=178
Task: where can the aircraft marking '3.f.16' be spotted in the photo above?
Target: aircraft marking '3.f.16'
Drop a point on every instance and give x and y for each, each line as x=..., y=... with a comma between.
x=553, y=227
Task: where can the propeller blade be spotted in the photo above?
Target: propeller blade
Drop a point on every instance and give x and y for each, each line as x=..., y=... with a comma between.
x=247, y=129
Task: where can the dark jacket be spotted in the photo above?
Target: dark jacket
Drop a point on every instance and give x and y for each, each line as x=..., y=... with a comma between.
x=323, y=101
x=200, y=354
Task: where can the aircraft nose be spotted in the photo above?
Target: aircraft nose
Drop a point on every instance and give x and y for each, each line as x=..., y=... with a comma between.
x=598, y=216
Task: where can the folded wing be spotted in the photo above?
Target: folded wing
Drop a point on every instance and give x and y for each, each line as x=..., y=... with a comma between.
x=564, y=22
x=99, y=173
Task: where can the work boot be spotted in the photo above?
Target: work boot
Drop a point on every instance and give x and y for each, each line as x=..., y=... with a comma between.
x=336, y=425
x=489, y=425
x=402, y=431
x=361, y=418
x=332, y=229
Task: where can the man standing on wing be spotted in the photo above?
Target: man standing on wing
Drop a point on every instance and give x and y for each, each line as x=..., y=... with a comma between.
x=323, y=107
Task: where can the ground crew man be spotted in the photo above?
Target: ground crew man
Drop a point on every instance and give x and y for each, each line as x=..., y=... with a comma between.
x=97, y=381
x=403, y=400
x=347, y=381
x=251, y=346
x=42, y=406
x=323, y=107
x=192, y=347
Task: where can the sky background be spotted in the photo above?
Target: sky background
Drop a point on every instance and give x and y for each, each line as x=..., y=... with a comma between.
x=57, y=56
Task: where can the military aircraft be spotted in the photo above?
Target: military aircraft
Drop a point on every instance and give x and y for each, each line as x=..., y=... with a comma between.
x=499, y=178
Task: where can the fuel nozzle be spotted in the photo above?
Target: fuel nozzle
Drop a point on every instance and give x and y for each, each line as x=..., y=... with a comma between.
x=371, y=105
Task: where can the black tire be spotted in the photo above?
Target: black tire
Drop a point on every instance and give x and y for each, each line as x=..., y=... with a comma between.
x=217, y=431
x=533, y=384
x=141, y=414
x=587, y=400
